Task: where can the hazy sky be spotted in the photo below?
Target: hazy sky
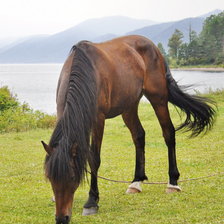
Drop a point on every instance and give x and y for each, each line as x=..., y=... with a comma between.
x=29, y=17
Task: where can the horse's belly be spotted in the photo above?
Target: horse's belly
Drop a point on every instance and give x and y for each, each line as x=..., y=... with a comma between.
x=113, y=112
x=119, y=105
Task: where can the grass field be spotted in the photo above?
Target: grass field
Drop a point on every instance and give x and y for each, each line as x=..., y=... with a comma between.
x=25, y=195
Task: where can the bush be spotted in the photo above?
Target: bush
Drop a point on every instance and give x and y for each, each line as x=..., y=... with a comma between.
x=45, y=120
x=7, y=100
x=20, y=117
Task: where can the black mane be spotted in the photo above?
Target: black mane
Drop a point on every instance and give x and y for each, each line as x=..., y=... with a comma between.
x=71, y=137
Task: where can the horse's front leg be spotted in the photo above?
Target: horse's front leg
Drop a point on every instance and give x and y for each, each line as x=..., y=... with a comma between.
x=91, y=206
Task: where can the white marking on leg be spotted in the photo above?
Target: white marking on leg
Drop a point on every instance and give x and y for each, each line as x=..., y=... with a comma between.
x=172, y=188
x=134, y=187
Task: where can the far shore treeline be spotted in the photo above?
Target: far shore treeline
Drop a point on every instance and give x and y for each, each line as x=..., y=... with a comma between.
x=205, y=48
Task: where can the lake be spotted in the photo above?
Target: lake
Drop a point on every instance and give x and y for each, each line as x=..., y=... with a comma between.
x=36, y=84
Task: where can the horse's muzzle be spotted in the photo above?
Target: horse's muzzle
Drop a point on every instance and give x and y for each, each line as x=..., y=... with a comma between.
x=62, y=219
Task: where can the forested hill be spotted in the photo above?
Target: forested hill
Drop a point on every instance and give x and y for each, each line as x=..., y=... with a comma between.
x=205, y=48
x=161, y=33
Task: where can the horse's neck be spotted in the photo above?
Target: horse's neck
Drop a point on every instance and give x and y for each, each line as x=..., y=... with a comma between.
x=62, y=87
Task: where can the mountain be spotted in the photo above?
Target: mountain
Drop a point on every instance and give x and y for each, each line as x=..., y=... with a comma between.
x=8, y=43
x=105, y=37
x=214, y=12
x=4, y=42
x=55, y=48
x=117, y=25
x=163, y=31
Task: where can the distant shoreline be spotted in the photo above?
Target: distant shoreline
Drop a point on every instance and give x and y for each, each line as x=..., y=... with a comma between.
x=199, y=69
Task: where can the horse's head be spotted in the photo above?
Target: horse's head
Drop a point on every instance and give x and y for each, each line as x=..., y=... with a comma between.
x=64, y=193
x=63, y=188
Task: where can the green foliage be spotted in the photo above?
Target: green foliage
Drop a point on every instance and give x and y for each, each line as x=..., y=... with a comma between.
x=163, y=52
x=212, y=38
x=174, y=43
x=45, y=120
x=20, y=117
x=202, y=49
x=7, y=100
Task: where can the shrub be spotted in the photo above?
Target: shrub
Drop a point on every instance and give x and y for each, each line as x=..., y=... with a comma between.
x=45, y=120
x=20, y=117
x=7, y=100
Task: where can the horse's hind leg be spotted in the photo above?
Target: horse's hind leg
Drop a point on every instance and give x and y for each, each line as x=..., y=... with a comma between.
x=160, y=105
x=91, y=206
x=138, y=135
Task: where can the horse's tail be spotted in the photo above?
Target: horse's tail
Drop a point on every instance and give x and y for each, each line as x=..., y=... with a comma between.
x=199, y=112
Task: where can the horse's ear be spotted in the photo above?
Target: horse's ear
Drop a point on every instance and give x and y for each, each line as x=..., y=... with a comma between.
x=47, y=148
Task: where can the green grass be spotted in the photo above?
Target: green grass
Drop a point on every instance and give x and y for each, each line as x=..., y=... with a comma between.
x=25, y=195
x=197, y=66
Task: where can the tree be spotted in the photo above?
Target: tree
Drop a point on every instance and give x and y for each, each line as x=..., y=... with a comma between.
x=194, y=55
x=161, y=48
x=205, y=48
x=163, y=52
x=174, y=43
x=212, y=39
x=183, y=54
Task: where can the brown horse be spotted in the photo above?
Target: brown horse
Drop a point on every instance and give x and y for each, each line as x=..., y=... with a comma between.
x=104, y=80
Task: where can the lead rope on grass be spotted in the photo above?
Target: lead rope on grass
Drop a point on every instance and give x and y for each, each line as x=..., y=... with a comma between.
x=185, y=180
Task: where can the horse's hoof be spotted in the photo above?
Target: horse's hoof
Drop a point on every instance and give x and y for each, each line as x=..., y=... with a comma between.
x=134, y=188
x=132, y=191
x=90, y=211
x=173, y=189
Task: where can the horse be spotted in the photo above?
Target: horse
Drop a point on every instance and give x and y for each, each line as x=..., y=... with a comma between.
x=103, y=80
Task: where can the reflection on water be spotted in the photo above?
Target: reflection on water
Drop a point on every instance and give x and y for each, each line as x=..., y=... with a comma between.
x=36, y=83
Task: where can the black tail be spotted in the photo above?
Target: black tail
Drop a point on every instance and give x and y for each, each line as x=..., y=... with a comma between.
x=199, y=114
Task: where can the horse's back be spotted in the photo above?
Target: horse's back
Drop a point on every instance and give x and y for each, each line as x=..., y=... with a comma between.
x=122, y=67
x=126, y=66
x=120, y=71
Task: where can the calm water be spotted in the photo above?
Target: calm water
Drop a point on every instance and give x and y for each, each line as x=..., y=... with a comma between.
x=33, y=83
x=36, y=83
